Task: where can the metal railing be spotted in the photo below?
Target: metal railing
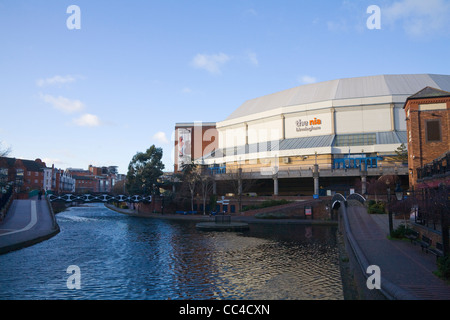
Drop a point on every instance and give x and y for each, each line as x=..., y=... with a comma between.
x=5, y=202
x=223, y=219
x=437, y=167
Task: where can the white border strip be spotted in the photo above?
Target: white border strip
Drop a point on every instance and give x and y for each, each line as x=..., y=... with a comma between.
x=32, y=222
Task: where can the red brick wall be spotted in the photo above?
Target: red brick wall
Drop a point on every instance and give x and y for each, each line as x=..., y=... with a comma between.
x=420, y=151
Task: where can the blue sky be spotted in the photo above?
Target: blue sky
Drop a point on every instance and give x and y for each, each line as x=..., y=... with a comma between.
x=99, y=94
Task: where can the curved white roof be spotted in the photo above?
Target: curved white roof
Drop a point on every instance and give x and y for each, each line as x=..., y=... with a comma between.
x=350, y=88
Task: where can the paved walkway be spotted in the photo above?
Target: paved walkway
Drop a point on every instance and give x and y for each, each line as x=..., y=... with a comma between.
x=406, y=270
x=27, y=222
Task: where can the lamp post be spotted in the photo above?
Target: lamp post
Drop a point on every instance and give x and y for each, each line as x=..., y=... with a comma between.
x=399, y=192
x=399, y=196
x=391, y=228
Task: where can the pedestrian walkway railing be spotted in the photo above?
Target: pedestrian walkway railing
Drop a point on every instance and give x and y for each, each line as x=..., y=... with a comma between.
x=52, y=213
x=98, y=198
x=389, y=290
x=223, y=219
x=356, y=196
x=5, y=203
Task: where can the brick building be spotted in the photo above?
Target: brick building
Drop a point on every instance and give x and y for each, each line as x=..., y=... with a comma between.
x=95, y=179
x=27, y=175
x=427, y=125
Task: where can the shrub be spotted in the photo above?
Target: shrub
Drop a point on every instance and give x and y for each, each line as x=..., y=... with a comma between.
x=376, y=207
x=444, y=267
x=400, y=232
x=267, y=204
x=370, y=203
x=277, y=215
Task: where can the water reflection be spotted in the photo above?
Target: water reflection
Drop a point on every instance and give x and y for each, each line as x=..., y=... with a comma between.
x=123, y=257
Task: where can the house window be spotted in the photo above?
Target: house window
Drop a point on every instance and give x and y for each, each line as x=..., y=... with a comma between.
x=433, y=130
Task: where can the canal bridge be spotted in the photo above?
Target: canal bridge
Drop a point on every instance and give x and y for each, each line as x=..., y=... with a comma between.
x=338, y=198
x=106, y=197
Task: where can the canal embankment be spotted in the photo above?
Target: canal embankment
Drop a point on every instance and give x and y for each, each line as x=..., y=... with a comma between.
x=27, y=222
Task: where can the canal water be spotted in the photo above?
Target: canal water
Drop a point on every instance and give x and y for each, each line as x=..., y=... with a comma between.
x=122, y=257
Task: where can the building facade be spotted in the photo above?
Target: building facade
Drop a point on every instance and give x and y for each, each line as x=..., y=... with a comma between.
x=27, y=175
x=95, y=179
x=320, y=135
x=428, y=132
x=193, y=141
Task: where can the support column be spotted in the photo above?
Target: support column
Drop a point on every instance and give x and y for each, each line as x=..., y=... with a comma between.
x=275, y=186
x=316, y=179
x=240, y=181
x=363, y=178
x=214, y=187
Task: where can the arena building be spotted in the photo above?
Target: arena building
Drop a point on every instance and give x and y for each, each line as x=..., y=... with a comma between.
x=320, y=137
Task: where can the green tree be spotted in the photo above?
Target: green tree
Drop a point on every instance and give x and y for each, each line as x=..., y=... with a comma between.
x=401, y=153
x=144, y=170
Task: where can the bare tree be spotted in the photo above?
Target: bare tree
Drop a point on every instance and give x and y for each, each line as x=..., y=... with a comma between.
x=190, y=176
x=4, y=152
x=240, y=183
x=379, y=186
x=205, y=182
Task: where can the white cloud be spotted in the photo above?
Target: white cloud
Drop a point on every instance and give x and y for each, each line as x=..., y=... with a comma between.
x=87, y=120
x=211, y=63
x=161, y=137
x=56, y=80
x=186, y=90
x=305, y=79
x=418, y=17
x=63, y=104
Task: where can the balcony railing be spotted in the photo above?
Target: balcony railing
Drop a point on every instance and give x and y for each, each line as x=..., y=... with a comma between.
x=437, y=167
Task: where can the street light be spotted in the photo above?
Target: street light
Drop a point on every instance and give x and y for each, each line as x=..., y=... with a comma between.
x=399, y=192
x=391, y=227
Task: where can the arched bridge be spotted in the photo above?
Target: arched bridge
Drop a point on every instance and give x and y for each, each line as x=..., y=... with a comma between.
x=356, y=196
x=338, y=198
x=68, y=197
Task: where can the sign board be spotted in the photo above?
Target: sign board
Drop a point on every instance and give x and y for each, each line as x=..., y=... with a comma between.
x=308, y=211
x=301, y=125
x=224, y=201
x=316, y=196
x=352, y=191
